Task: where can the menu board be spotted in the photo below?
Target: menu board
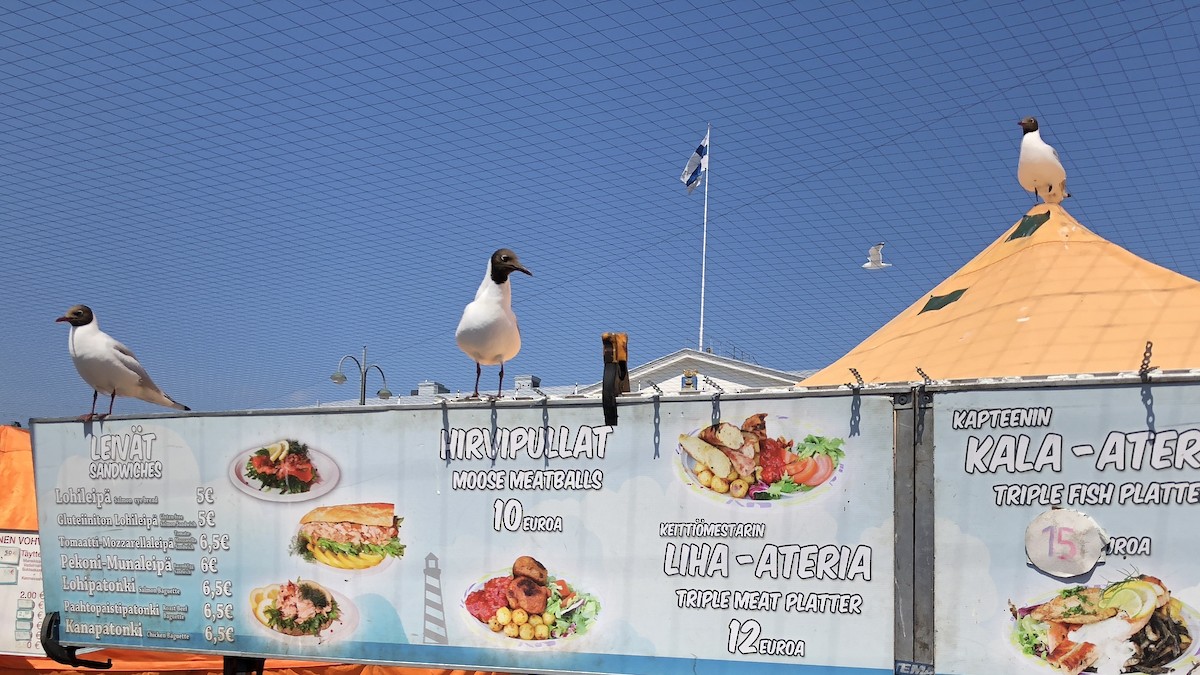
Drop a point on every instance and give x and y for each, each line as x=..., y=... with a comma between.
x=21, y=603
x=508, y=536
x=1062, y=533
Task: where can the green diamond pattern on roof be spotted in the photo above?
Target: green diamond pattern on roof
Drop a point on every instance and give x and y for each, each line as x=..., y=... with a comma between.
x=937, y=302
x=1029, y=225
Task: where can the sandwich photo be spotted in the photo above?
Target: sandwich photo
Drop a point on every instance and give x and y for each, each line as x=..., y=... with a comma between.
x=349, y=536
x=299, y=608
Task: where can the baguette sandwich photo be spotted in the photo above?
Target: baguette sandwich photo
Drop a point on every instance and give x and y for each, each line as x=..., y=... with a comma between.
x=349, y=536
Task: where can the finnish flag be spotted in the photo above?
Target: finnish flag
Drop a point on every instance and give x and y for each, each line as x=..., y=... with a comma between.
x=697, y=165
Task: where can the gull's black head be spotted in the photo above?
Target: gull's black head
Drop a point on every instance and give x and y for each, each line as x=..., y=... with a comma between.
x=79, y=315
x=504, y=263
x=1029, y=124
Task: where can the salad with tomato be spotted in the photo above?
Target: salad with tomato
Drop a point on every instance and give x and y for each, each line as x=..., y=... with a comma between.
x=797, y=469
x=284, y=467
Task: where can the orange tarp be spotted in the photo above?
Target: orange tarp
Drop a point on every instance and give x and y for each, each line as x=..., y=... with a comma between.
x=18, y=512
x=1048, y=297
x=18, y=505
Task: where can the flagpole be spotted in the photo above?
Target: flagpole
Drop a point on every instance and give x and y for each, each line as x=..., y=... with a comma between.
x=704, y=238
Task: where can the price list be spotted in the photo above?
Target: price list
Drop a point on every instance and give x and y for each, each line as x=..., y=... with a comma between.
x=139, y=566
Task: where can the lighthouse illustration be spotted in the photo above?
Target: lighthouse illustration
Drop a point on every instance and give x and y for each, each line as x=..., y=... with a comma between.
x=435, y=612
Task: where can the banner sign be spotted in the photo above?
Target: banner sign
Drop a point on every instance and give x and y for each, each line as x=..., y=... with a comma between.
x=693, y=536
x=1062, y=535
x=21, y=604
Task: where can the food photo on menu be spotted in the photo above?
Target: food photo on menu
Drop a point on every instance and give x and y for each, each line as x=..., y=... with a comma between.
x=284, y=466
x=528, y=604
x=349, y=536
x=744, y=462
x=1133, y=625
x=295, y=608
x=284, y=471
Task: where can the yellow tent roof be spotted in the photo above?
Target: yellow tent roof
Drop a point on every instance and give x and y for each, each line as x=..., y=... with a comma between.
x=1048, y=297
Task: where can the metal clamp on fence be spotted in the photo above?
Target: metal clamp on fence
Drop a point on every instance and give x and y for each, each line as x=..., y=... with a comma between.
x=710, y=382
x=924, y=377
x=858, y=378
x=61, y=653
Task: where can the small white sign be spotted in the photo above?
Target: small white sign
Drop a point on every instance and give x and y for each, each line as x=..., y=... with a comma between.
x=1064, y=543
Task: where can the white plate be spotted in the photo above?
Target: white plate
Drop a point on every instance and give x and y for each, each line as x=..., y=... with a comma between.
x=1191, y=619
x=338, y=630
x=327, y=470
x=684, y=469
x=502, y=639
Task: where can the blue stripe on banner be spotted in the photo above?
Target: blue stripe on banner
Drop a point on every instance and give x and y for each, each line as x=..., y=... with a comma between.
x=524, y=660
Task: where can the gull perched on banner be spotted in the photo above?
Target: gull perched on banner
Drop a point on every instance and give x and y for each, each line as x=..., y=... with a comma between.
x=488, y=331
x=697, y=165
x=1038, y=168
x=875, y=258
x=107, y=365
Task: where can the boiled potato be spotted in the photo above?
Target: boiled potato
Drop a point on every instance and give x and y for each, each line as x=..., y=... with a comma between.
x=512, y=630
x=495, y=625
x=541, y=632
x=701, y=466
x=719, y=485
x=520, y=616
x=748, y=477
x=704, y=478
x=504, y=615
x=548, y=618
x=535, y=620
x=738, y=488
x=732, y=475
x=526, y=631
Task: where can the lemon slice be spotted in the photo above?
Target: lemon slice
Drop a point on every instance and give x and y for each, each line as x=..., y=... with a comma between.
x=276, y=450
x=1137, y=599
x=260, y=612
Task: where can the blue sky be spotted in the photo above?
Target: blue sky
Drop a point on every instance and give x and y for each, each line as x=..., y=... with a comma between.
x=246, y=191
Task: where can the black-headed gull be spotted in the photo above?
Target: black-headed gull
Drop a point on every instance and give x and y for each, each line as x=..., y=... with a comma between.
x=1039, y=170
x=488, y=331
x=875, y=258
x=107, y=365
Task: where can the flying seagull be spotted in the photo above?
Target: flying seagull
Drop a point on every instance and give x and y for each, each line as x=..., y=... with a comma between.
x=875, y=258
x=107, y=365
x=488, y=331
x=1039, y=170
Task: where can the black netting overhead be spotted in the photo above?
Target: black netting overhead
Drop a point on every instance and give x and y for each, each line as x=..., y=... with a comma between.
x=245, y=191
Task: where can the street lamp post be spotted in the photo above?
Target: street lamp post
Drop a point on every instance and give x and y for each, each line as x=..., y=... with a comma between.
x=339, y=377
